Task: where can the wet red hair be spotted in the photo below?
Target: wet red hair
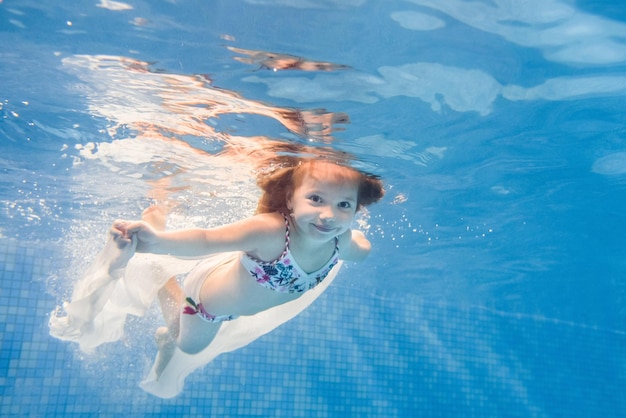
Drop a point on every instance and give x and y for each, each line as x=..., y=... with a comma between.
x=279, y=181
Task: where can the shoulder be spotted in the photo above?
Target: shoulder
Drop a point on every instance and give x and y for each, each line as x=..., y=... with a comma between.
x=265, y=223
x=353, y=246
x=266, y=235
x=250, y=231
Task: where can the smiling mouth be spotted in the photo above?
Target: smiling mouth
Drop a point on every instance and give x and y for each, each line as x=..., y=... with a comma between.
x=324, y=229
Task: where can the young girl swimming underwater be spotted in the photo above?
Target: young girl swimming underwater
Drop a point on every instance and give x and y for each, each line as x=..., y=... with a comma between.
x=249, y=269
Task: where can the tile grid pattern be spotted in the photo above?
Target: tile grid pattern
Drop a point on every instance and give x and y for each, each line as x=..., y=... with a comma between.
x=354, y=353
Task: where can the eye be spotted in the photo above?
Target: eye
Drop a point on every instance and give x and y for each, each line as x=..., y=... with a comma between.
x=315, y=198
x=345, y=205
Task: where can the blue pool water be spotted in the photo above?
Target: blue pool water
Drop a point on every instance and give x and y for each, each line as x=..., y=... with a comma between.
x=497, y=283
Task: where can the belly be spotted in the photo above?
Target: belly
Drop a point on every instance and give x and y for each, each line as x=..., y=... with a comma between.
x=230, y=290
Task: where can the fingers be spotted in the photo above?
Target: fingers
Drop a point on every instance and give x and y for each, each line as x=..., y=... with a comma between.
x=119, y=229
x=133, y=243
x=119, y=236
x=135, y=234
x=134, y=227
x=123, y=230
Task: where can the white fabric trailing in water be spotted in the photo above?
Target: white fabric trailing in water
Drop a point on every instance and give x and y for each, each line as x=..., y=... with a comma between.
x=111, y=289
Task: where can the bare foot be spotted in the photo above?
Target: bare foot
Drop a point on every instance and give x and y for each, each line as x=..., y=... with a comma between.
x=167, y=346
x=155, y=216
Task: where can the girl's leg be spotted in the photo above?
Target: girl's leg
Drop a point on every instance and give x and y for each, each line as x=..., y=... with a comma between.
x=189, y=333
x=192, y=336
x=171, y=298
x=171, y=295
x=195, y=333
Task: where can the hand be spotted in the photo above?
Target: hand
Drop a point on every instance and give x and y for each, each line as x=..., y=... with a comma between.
x=138, y=232
x=120, y=249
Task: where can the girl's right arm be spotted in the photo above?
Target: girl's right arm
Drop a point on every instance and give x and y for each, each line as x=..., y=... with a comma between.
x=246, y=235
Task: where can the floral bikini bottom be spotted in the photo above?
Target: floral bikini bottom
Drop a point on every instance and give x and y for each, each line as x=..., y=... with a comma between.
x=193, y=308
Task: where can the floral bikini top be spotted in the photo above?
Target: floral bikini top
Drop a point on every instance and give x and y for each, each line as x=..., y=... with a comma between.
x=284, y=274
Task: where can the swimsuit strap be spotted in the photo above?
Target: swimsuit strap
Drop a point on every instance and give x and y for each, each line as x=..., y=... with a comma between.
x=287, y=240
x=284, y=274
x=285, y=251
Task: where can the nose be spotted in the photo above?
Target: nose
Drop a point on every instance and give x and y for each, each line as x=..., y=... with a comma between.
x=327, y=214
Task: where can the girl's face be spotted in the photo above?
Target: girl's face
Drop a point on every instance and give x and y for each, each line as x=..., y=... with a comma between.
x=323, y=209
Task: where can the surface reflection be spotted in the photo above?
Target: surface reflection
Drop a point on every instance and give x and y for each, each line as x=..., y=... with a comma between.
x=166, y=128
x=130, y=93
x=275, y=61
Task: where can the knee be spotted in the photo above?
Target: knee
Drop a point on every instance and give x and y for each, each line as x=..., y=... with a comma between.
x=191, y=347
x=195, y=334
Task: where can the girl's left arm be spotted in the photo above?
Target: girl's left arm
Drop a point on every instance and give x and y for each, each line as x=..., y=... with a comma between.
x=356, y=247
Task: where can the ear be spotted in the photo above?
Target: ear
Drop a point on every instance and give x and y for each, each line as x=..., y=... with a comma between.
x=289, y=200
